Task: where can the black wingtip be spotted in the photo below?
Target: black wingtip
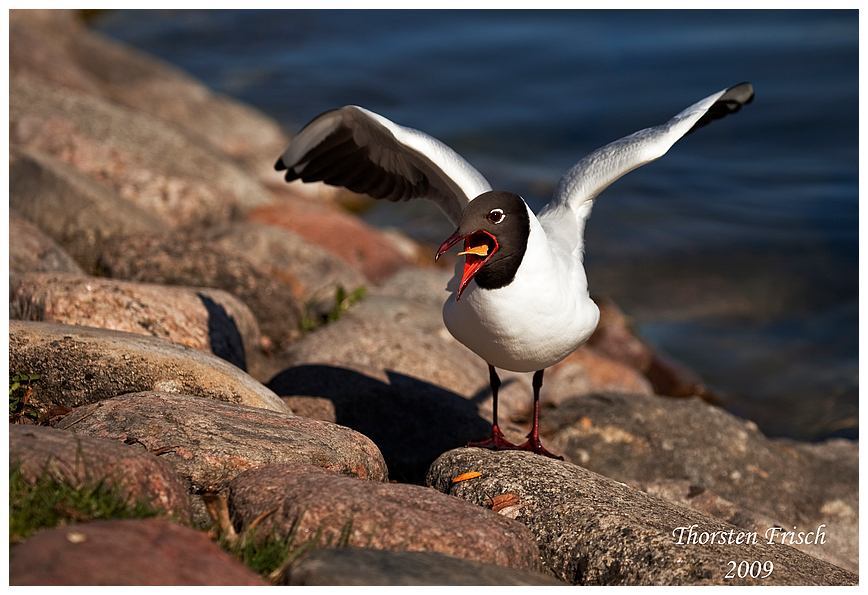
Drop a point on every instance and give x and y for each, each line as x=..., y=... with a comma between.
x=730, y=102
x=290, y=172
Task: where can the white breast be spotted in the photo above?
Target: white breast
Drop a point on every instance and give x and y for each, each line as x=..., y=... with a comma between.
x=535, y=321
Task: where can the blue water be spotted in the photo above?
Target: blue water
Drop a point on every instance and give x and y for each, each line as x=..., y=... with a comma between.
x=736, y=253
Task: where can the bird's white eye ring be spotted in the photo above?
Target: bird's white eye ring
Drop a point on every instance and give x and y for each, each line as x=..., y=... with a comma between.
x=496, y=216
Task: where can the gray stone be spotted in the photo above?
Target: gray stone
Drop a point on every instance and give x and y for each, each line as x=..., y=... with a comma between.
x=80, y=365
x=592, y=530
x=366, y=344
x=641, y=439
x=833, y=472
x=425, y=287
x=357, y=567
x=412, y=297
x=707, y=502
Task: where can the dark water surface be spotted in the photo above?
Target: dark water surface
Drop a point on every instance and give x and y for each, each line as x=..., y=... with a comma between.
x=736, y=253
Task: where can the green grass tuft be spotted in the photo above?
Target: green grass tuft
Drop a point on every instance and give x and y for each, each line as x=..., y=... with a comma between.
x=19, y=393
x=272, y=555
x=343, y=300
x=50, y=502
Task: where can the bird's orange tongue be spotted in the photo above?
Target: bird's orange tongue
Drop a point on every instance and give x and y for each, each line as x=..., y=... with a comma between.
x=481, y=250
x=478, y=247
x=474, y=257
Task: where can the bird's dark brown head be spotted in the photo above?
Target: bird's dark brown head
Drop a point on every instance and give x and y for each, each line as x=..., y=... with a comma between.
x=495, y=227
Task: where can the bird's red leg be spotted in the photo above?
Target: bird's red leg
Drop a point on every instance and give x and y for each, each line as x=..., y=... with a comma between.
x=533, y=442
x=497, y=441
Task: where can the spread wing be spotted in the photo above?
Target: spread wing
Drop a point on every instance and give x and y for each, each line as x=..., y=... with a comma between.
x=366, y=153
x=570, y=207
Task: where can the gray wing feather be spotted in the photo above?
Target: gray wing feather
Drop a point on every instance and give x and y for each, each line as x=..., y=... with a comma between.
x=564, y=217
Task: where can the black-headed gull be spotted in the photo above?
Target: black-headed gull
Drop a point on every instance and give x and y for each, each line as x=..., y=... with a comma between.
x=521, y=301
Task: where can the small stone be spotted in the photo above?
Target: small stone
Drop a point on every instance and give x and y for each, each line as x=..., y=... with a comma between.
x=312, y=407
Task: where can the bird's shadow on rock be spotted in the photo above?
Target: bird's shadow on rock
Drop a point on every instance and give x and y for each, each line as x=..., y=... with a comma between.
x=412, y=422
x=223, y=334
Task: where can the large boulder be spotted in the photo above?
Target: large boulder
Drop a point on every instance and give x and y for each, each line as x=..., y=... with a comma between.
x=78, y=365
x=138, y=475
x=70, y=207
x=593, y=530
x=32, y=251
x=644, y=439
x=209, y=442
x=339, y=510
x=207, y=319
x=135, y=156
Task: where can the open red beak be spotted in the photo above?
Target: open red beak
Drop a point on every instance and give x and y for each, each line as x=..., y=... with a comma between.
x=479, y=246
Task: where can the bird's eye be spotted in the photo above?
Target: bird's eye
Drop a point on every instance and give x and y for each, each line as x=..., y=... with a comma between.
x=496, y=215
